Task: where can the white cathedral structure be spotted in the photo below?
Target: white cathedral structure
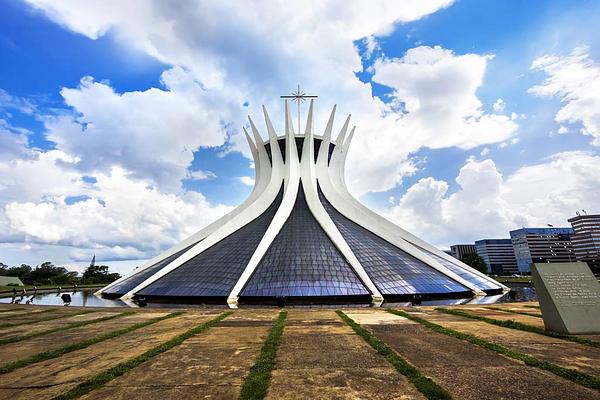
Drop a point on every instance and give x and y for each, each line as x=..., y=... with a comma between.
x=302, y=238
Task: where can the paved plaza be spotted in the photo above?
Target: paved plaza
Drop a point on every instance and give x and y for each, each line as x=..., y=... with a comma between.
x=120, y=353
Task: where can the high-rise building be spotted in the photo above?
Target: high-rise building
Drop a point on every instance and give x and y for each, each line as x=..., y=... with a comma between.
x=458, y=251
x=498, y=254
x=301, y=236
x=586, y=240
x=538, y=245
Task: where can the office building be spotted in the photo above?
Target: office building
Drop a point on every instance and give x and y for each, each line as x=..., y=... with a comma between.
x=537, y=245
x=458, y=251
x=499, y=255
x=586, y=239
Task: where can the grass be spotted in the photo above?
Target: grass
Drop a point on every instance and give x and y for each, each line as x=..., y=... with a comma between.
x=104, y=377
x=46, y=319
x=514, y=312
x=578, y=377
x=61, y=328
x=520, y=326
x=425, y=385
x=47, y=355
x=258, y=379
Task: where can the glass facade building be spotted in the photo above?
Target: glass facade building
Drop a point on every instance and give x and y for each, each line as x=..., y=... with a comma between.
x=301, y=236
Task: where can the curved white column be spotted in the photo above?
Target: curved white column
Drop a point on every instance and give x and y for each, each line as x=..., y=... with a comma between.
x=338, y=197
x=263, y=175
x=233, y=222
x=292, y=180
x=309, y=184
x=355, y=210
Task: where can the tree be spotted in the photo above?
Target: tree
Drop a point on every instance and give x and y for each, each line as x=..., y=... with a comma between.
x=476, y=261
x=98, y=274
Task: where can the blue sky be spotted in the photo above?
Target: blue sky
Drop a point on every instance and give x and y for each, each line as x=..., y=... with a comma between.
x=487, y=111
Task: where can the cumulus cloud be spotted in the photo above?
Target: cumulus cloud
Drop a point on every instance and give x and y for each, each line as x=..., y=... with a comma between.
x=235, y=53
x=246, y=180
x=150, y=133
x=435, y=92
x=499, y=105
x=488, y=205
x=119, y=216
x=575, y=80
x=222, y=58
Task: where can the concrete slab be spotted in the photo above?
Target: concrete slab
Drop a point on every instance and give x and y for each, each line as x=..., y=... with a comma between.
x=29, y=347
x=471, y=372
x=561, y=352
x=20, y=330
x=47, y=379
x=212, y=364
x=321, y=357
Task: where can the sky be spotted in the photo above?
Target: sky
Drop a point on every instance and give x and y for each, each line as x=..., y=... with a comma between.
x=121, y=122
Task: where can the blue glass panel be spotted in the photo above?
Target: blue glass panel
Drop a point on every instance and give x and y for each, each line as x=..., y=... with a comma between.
x=392, y=270
x=129, y=283
x=302, y=261
x=215, y=271
x=478, y=281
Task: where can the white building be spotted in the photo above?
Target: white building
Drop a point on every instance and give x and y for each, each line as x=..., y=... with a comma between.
x=301, y=236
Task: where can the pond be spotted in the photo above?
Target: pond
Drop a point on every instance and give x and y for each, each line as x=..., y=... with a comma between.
x=86, y=298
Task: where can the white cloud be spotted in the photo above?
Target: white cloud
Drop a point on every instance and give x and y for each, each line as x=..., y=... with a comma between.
x=485, y=151
x=246, y=180
x=200, y=175
x=240, y=57
x=222, y=55
x=562, y=130
x=575, y=80
x=151, y=133
x=436, y=89
x=13, y=142
x=488, y=205
x=499, y=105
x=119, y=218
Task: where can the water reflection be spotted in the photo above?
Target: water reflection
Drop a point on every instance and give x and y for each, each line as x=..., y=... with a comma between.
x=86, y=298
x=83, y=298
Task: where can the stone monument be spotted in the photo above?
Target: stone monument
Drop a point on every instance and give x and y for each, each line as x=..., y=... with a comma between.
x=569, y=297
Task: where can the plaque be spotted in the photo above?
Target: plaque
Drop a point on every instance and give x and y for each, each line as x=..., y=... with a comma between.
x=569, y=297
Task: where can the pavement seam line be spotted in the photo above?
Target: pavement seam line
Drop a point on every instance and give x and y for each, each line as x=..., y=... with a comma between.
x=108, y=375
x=514, y=312
x=427, y=386
x=47, y=355
x=2, y=326
x=573, y=375
x=511, y=324
x=62, y=328
x=257, y=382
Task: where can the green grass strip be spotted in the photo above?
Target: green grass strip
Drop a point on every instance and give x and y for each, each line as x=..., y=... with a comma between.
x=258, y=379
x=425, y=385
x=520, y=326
x=578, y=377
x=103, y=378
x=514, y=312
x=47, y=319
x=61, y=328
x=47, y=355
